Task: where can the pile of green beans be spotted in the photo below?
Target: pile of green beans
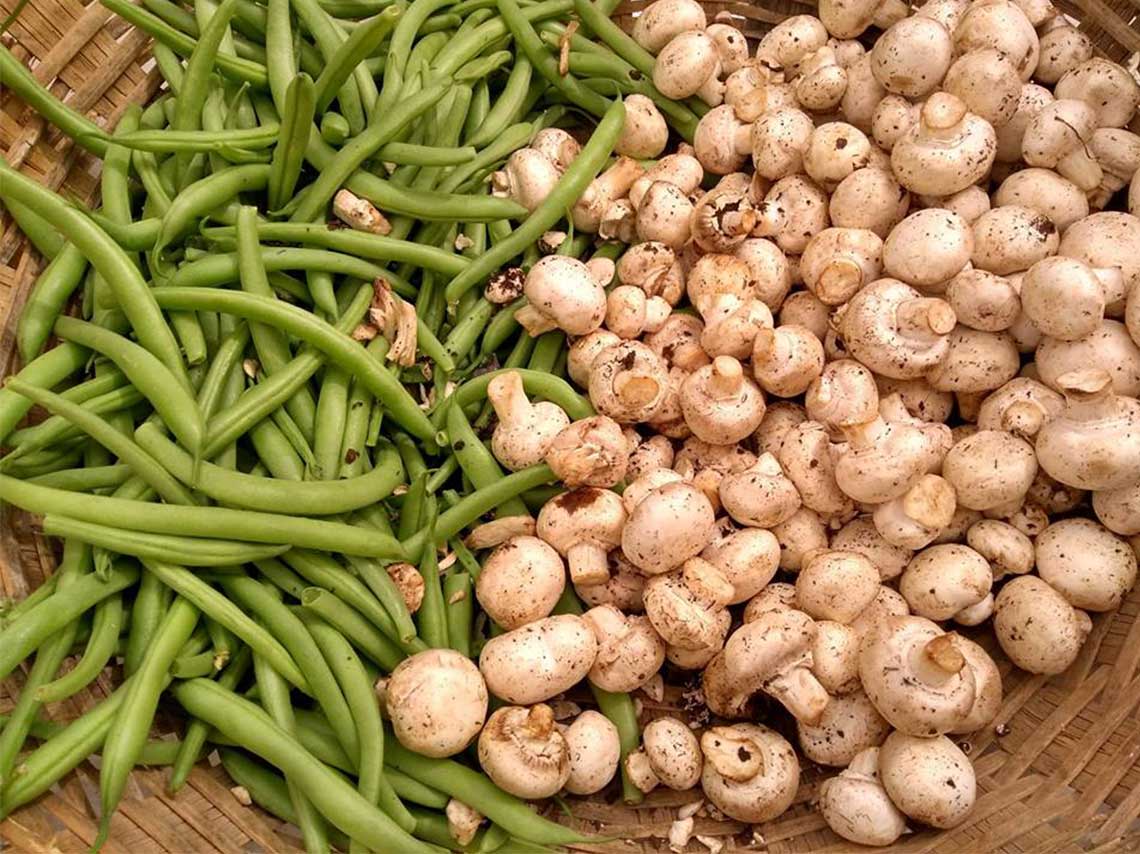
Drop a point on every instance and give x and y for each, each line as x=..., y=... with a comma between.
x=224, y=443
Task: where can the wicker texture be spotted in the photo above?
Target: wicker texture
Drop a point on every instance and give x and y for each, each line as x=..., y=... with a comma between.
x=1062, y=775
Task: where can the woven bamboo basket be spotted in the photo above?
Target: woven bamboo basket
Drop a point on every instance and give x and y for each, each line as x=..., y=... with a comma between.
x=1058, y=771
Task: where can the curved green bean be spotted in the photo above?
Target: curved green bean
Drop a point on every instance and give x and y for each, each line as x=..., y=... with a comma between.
x=289, y=154
x=321, y=603
x=106, y=626
x=50, y=294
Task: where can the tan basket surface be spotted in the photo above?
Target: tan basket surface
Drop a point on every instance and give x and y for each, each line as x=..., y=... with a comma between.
x=1062, y=775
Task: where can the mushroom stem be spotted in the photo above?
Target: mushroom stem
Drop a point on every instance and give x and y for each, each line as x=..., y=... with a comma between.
x=944, y=655
x=726, y=379
x=863, y=436
x=942, y=114
x=800, y=692
x=509, y=399
x=533, y=321
x=925, y=318
x=840, y=279
x=539, y=721
x=588, y=564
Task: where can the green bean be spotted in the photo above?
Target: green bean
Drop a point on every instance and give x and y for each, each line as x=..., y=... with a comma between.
x=270, y=343
x=569, y=187
x=280, y=59
x=12, y=609
x=216, y=606
x=130, y=291
x=319, y=602
x=328, y=433
x=483, y=66
x=206, y=195
x=39, y=232
x=540, y=386
x=474, y=505
x=477, y=791
x=24, y=85
x=157, y=196
x=46, y=371
x=432, y=614
x=86, y=479
x=507, y=107
x=151, y=602
x=169, y=66
x=106, y=626
x=288, y=156
x=415, y=791
x=222, y=268
x=275, y=698
x=238, y=143
x=193, y=666
x=165, y=390
x=267, y=397
x=40, y=729
x=227, y=359
x=57, y=430
x=264, y=602
x=476, y=461
x=459, y=595
x=352, y=455
x=357, y=689
x=546, y=350
x=338, y=347
x=49, y=657
x=189, y=551
x=356, y=93
x=463, y=336
x=334, y=129
x=365, y=38
x=388, y=595
x=50, y=294
x=142, y=463
x=238, y=69
x=31, y=628
x=132, y=721
x=400, y=48
x=197, y=732
x=275, y=452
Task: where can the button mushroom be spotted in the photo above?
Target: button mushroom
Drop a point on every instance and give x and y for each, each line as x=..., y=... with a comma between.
x=670, y=756
x=916, y=676
x=630, y=652
x=761, y=496
x=948, y=149
x=583, y=524
x=750, y=772
x=856, y=806
x=747, y=558
x=850, y=725
x=628, y=381
x=589, y=452
x=1036, y=626
x=943, y=580
x=687, y=607
x=1086, y=563
x=436, y=701
x=521, y=581
x=912, y=56
x=928, y=248
x=990, y=469
x=914, y=519
x=893, y=330
x=595, y=752
x=929, y=779
x=835, y=585
x=562, y=294
x=525, y=430
x=720, y=404
x=539, y=660
x=523, y=752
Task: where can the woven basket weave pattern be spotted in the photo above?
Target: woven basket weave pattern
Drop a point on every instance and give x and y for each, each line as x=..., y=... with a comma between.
x=1059, y=771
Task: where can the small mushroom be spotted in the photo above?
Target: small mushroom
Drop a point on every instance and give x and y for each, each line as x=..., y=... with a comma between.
x=807, y=458
x=1110, y=348
x=685, y=65
x=595, y=752
x=1105, y=86
x=1037, y=627
x=521, y=582
x=670, y=756
x=462, y=821
x=1002, y=25
x=1086, y=563
x=834, y=151
x=629, y=651
x=869, y=198
x=914, y=519
x=987, y=687
x=1008, y=550
x=856, y=806
x=525, y=430
x=720, y=404
x=628, y=382
x=882, y=460
x=989, y=469
x=835, y=658
x=539, y=660
x=723, y=217
x=747, y=558
x=912, y=56
x=761, y=496
x=850, y=725
x=984, y=301
x=1063, y=48
x=583, y=524
x=523, y=752
x=687, y=607
x=664, y=214
x=645, y=133
x=988, y=83
x=436, y=701
x=664, y=19
x=1057, y=138
x=589, y=452
x=929, y=779
x=948, y=149
x=945, y=579
x=916, y=677
x=835, y=585
x=845, y=393
x=837, y=262
x=623, y=588
x=850, y=20
x=895, y=331
x=670, y=525
x=528, y=177
x=928, y=248
x=557, y=145
x=750, y=772
x=562, y=294
x=800, y=534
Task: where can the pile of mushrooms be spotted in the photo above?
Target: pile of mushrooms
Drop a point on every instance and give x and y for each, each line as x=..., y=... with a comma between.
x=866, y=394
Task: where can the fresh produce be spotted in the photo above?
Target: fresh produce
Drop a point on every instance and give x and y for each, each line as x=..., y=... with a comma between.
x=425, y=365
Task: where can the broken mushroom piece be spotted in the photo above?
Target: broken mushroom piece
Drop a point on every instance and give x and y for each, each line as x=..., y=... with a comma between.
x=916, y=677
x=687, y=608
x=630, y=652
x=462, y=821
x=595, y=752
x=589, y=452
x=436, y=701
x=750, y=772
x=525, y=430
x=1037, y=627
x=541, y=659
x=1086, y=563
x=850, y=725
x=929, y=779
x=583, y=524
x=857, y=807
x=521, y=582
x=523, y=752
x=772, y=653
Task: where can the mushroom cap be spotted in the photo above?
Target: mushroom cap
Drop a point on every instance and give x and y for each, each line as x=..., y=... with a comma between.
x=1119, y=509
x=888, y=603
x=628, y=382
x=928, y=247
x=673, y=751
x=1109, y=347
x=1106, y=239
x=1009, y=551
x=748, y=559
x=945, y=579
x=835, y=657
x=645, y=133
x=629, y=650
x=777, y=596
x=856, y=806
x=685, y=64
x=861, y=536
x=850, y=724
x=1036, y=627
x=436, y=701
x=669, y=526
x=1086, y=563
x=1000, y=25
x=664, y=19
x=929, y=779
x=589, y=452
x=664, y=214
x=586, y=515
x=835, y=585
x=869, y=198
x=525, y=430
x=800, y=534
x=559, y=147
x=915, y=676
x=1105, y=86
x=766, y=794
x=623, y=589
x=539, y=660
x=989, y=469
x=521, y=582
x=1047, y=193
x=595, y=752
x=987, y=82
x=523, y=752
x=947, y=150
x=563, y=289
x=760, y=496
x=1011, y=239
x=911, y=57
